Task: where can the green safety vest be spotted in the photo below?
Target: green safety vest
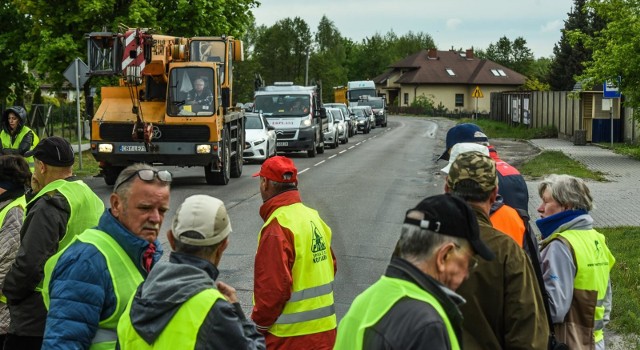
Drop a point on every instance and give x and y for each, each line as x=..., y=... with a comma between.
x=180, y=333
x=6, y=142
x=593, y=265
x=18, y=202
x=369, y=307
x=310, y=309
x=86, y=208
x=124, y=276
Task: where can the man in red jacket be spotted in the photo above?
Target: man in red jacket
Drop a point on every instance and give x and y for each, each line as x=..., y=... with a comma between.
x=294, y=266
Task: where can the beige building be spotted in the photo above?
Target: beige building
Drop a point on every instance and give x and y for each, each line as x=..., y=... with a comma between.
x=451, y=79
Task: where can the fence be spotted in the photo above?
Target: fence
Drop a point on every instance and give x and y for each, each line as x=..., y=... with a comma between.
x=49, y=120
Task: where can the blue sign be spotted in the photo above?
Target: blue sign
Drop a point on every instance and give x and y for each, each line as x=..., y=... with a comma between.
x=610, y=89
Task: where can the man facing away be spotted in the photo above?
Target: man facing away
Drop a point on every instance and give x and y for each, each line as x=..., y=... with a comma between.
x=504, y=308
x=180, y=305
x=513, y=188
x=414, y=306
x=87, y=285
x=60, y=207
x=294, y=266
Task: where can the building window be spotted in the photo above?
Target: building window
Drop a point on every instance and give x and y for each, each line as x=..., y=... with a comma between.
x=459, y=100
x=406, y=99
x=450, y=72
x=495, y=73
x=502, y=73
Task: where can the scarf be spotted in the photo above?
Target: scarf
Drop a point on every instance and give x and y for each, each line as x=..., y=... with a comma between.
x=550, y=224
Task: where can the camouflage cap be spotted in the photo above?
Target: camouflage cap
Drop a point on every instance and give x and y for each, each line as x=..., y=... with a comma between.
x=473, y=166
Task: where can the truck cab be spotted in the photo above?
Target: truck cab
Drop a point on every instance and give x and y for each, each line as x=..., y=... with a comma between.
x=379, y=107
x=297, y=115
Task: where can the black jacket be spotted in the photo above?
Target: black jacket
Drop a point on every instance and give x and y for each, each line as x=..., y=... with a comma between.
x=44, y=225
x=169, y=285
x=413, y=324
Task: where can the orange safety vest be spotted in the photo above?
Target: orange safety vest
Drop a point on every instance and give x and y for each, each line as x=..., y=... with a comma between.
x=508, y=221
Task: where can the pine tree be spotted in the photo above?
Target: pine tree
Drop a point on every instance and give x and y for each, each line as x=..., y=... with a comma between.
x=570, y=57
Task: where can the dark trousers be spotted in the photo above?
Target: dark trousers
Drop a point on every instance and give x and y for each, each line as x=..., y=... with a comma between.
x=16, y=342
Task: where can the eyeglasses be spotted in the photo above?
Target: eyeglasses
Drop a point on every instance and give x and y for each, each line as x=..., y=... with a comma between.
x=147, y=175
x=473, y=262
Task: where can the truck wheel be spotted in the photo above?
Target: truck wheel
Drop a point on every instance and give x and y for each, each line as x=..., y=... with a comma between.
x=111, y=174
x=236, y=160
x=221, y=177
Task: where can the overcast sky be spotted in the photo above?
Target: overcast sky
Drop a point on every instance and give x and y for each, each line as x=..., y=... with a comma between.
x=458, y=23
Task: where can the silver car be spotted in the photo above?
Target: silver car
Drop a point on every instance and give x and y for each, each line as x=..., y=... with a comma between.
x=260, y=138
x=343, y=127
x=331, y=134
x=346, y=112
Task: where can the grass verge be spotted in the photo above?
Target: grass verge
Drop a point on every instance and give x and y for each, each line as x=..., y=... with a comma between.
x=623, y=243
x=627, y=149
x=89, y=166
x=498, y=129
x=556, y=162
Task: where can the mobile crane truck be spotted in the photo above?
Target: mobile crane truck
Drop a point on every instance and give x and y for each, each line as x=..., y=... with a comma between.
x=173, y=105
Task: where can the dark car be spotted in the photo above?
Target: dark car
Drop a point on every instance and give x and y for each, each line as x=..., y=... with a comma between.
x=362, y=118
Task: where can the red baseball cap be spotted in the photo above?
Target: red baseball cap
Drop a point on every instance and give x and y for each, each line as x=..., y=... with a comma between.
x=279, y=169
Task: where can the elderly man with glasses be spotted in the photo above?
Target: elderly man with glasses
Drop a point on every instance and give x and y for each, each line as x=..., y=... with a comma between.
x=88, y=285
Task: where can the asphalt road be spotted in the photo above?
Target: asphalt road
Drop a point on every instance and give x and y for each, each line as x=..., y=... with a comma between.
x=361, y=189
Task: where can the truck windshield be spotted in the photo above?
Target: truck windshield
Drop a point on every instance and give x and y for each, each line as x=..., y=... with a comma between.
x=354, y=95
x=190, y=92
x=283, y=105
x=372, y=103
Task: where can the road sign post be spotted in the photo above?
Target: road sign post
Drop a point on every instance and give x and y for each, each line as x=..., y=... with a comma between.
x=76, y=74
x=610, y=89
x=477, y=93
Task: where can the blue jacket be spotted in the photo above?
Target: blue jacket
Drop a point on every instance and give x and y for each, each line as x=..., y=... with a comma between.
x=81, y=290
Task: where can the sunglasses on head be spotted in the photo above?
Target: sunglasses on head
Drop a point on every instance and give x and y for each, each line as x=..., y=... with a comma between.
x=147, y=175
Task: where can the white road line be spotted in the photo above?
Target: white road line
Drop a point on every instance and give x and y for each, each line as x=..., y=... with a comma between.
x=358, y=144
x=333, y=156
x=319, y=163
x=344, y=151
x=352, y=147
x=302, y=171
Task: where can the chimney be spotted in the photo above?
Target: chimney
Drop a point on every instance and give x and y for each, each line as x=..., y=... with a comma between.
x=432, y=54
x=469, y=53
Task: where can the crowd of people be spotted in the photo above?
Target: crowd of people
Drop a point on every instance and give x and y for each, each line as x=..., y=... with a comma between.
x=467, y=270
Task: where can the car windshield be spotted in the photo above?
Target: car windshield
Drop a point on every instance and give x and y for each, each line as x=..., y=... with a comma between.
x=283, y=104
x=253, y=122
x=337, y=115
x=358, y=112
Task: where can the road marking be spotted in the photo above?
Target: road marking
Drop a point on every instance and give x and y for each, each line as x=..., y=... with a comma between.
x=351, y=147
x=343, y=151
x=358, y=144
x=333, y=156
x=319, y=163
x=300, y=172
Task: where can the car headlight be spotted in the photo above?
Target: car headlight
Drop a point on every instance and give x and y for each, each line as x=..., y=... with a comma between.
x=380, y=113
x=258, y=141
x=305, y=122
x=203, y=149
x=360, y=121
x=105, y=148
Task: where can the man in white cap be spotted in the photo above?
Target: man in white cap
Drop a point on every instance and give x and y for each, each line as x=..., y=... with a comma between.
x=181, y=305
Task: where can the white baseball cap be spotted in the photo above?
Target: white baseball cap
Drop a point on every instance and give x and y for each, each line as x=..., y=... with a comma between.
x=464, y=147
x=205, y=215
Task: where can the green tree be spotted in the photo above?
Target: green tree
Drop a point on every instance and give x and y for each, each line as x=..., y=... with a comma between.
x=328, y=63
x=56, y=35
x=281, y=51
x=615, y=48
x=514, y=55
x=570, y=56
x=14, y=80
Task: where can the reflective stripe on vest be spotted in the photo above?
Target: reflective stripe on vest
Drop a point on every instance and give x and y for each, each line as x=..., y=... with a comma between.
x=85, y=209
x=180, y=333
x=6, y=142
x=508, y=221
x=593, y=265
x=18, y=202
x=310, y=308
x=370, y=306
x=125, y=278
